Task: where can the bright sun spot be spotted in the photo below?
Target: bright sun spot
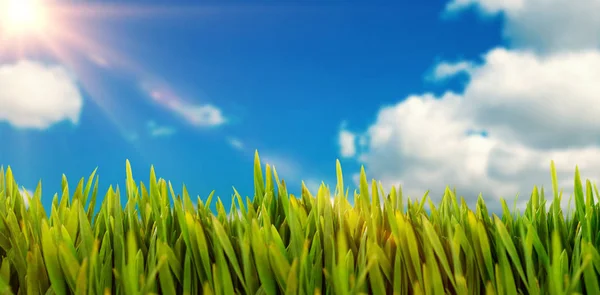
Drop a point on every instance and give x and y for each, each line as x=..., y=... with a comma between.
x=62, y=32
x=22, y=16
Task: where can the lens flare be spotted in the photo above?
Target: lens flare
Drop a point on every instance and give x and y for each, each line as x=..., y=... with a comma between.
x=67, y=33
x=23, y=16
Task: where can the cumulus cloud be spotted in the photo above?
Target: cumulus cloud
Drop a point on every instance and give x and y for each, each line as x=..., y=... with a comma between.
x=36, y=96
x=347, y=142
x=423, y=143
x=542, y=102
x=522, y=107
x=544, y=25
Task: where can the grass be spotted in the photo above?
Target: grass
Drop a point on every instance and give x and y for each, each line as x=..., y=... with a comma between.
x=276, y=243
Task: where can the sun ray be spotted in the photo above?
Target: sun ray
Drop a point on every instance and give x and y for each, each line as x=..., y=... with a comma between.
x=58, y=30
x=23, y=16
x=105, y=11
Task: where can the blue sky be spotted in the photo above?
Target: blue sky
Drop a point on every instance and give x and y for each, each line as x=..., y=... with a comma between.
x=194, y=88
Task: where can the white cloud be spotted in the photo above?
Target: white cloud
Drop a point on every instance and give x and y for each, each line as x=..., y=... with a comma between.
x=203, y=115
x=446, y=70
x=199, y=115
x=159, y=131
x=486, y=6
x=536, y=102
x=236, y=143
x=33, y=95
x=544, y=102
x=421, y=143
x=347, y=142
x=534, y=110
x=545, y=25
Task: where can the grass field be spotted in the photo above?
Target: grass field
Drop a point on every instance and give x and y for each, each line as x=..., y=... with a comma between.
x=162, y=242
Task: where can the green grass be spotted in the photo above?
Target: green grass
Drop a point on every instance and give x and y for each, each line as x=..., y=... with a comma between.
x=275, y=243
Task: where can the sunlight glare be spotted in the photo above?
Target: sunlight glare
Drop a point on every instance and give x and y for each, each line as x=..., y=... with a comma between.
x=69, y=33
x=23, y=16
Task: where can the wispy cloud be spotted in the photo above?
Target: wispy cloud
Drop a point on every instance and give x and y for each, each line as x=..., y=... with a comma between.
x=236, y=143
x=159, y=131
x=199, y=115
x=445, y=70
x=99, y=60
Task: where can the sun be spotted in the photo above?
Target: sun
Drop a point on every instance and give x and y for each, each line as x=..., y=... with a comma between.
x=19, y=17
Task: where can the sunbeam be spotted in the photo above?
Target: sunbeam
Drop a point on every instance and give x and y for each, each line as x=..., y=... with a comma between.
x=58, y=30
x=23, y=16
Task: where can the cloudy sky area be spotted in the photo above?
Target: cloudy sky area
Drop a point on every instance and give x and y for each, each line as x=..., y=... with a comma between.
x=476, y=94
